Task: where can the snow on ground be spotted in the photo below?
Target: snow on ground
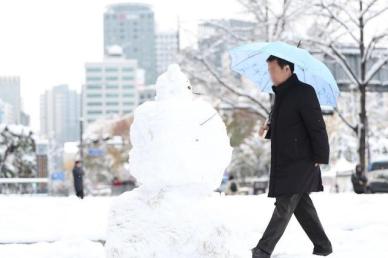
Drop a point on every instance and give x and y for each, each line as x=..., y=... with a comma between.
x=62, y=227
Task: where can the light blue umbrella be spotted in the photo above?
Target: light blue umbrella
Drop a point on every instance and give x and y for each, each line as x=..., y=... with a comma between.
x=250, y=61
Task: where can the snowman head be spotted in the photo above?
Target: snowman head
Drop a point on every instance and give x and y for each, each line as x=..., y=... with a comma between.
x=173, y=84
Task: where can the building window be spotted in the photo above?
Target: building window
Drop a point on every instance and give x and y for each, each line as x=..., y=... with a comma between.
x=112, y=78
x=94, y=86
x=93, y=78
x=93, y=95
x=112, y=95
x=94, y=104
x=94, y=112
x=93, y=69
x=127, y=69
x=112, y=86
x=128, y=95
x=111, y=69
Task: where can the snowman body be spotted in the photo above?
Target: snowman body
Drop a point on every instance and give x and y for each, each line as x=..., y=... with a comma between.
x=180, y=150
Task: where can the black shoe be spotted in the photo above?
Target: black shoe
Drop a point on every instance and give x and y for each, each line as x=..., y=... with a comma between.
x=322, y=251
x=258, y=253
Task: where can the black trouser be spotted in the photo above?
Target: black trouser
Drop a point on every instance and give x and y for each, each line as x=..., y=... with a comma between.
x=302, y=206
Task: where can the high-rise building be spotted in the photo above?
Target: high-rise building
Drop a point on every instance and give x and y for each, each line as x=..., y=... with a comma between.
x=132, y=26
x=6, y=113
x=60, y=114
x=111, y=86
x=166, y=50
x=24, y=118
x=10, y=93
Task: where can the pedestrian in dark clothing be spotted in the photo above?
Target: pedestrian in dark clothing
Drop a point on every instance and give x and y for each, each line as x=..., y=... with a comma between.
x=359, y=181
x=232, y=188
x=299, y=143
x=78, y=174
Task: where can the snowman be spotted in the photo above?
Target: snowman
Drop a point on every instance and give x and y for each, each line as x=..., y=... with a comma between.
x=180, y=150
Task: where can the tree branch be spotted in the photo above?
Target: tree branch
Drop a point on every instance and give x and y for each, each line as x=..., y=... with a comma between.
x=229, y=87
x=380, y=12
x=371, y=46
x=345, y=11
x=353, y=128
x=336, y=54
x=338, y=20
x=375, y=69
x=367, y=8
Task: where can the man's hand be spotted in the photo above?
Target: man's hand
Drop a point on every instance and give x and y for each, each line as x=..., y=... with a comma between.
x=263, y=128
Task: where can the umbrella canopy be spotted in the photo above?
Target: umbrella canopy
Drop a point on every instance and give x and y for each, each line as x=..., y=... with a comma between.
x=250, y=61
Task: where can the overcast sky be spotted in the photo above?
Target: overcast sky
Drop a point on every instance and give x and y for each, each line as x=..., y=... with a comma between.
x=47, y=42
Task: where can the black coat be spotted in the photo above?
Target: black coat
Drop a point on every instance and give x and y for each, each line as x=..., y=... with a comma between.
x=78, y=179
x=359, y=183
x=298, y=139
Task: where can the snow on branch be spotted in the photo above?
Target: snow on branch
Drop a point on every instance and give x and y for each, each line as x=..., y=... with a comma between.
x=375, y=15
x=229, y=87
x=372, y=45
x=352, y=127
x=375, y=68
x=367, y=8
x=330, y=14
x=220, y=26
x=340, y=8
x=330, y=50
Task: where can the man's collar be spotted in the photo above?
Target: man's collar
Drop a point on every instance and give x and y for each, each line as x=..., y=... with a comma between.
x=281, y=88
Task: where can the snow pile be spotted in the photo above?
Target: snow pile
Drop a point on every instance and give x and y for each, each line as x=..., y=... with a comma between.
x=180, y=151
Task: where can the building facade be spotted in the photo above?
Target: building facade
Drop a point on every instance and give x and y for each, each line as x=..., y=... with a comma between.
x=110, y=88
x=132, y=26
x=10, y=93
x=166, y=50
x=6, y=113
x=60, y=114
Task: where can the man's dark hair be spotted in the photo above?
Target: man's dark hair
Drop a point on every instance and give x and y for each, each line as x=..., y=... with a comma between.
x=281, y=62
x=77, y=162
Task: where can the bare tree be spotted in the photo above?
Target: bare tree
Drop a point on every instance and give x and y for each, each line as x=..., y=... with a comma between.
x=265, y=21
x=352, y=22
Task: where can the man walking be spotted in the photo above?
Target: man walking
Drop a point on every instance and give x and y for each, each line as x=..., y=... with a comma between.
x=299, y=143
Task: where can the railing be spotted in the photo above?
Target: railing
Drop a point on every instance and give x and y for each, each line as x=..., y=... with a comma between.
x=17, y=185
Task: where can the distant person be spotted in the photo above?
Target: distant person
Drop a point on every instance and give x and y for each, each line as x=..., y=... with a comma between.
x=232, y=188
x=78, y=174
x=359, y=180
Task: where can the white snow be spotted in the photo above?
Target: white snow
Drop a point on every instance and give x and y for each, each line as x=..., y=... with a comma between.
x=37, y=219
x=356, y=224
x=69, y=248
